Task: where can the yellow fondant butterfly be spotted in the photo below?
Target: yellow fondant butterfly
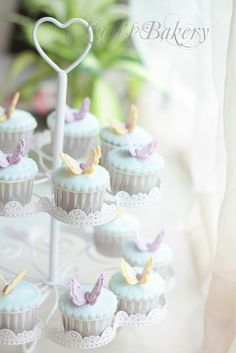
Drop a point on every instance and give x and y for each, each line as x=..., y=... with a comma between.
x=6, y=288
x=87, y=167
x=129, y=126
x=132, y=277
x=5, y=113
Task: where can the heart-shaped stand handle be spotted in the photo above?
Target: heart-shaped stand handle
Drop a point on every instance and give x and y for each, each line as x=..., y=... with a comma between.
x=62, y=26
x=60, y=121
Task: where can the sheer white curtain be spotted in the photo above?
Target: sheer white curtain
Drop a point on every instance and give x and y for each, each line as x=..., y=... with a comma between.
x=192, y=124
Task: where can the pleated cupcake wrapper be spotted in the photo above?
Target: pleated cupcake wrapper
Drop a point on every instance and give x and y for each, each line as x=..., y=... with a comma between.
x=131, y=183
x=88, y=202
x=106, y=148
x=19, y=321
x=16, y=191
x=109, y=246
x=86, y=327
x=134, y=307
x=9, y=140
x=78, y=147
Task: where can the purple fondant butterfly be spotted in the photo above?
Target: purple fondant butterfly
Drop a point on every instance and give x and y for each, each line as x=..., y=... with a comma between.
x=79, y=114
x=15, y=157
x=154, y=245
x=80, y=297
x=141, y=152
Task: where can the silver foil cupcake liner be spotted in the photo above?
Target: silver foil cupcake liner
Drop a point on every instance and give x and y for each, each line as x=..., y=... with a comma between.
x=105, y=149
x=86, y=327
x=78, y=147
x=132, y=184
x=19, y=321
x=134, y=307
x=109, y=246
x=88, y=202
x=10, y=140
x=16, y=191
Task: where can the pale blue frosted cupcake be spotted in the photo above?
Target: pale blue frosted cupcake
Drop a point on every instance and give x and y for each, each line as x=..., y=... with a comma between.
x=109, y=238
x=18, y=304
x=136, y=252
x=17, y=175
x=115, y=134
x=80, y=130
x=134, y=170
x=138, y=289
x=14, y=125
x=87, y=309
x=80, y=185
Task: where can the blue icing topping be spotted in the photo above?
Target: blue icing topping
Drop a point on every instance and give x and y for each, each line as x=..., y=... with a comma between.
x=20, y=120
x=65, y=179
x=25, y=169
x=162, y=256
x=105, y=305
x=138, y=136
x=25, y=295
x=86, y=127
x=153, y=288
x=122, y=226
x=121, y=159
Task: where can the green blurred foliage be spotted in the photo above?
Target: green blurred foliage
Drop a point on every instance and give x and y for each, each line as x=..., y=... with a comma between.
x=112, y=50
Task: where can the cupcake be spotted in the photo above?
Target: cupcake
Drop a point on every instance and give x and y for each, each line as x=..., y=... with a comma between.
x=138, y=289
x=109, y=238
x=134, y=170
x=14, y=125
x=19, y=302
x=87, y=309
x=115, y=135
x=80, y=185
x=136, y=252
x=16, y=176
x=80, y=130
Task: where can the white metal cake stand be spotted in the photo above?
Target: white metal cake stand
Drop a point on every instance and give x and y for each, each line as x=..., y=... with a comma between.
x=53, y=281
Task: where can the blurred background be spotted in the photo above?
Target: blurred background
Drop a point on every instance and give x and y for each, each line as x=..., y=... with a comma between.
x=179, y=93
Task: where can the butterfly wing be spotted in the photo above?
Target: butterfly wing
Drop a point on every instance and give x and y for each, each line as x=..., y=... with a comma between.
x=84, y=109
x=69, y=117
x=71, y=163
x=128, y=272
x=156, y=243
x=131, y=147
x=3, y=160
x=146, y=271
x=94, y=294
x=93, y=160
x=76, y=292
x=118, y=127
x=147, y=150
x=140, y=244
x=3, y=284
x=12, y=105
x=2, y=114
x=14, y=282
x=16, y=156
x=132, y=118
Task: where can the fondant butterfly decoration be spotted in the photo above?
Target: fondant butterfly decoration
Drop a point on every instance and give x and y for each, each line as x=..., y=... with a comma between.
x=154, y=245
x=6, y=288
x=15, y=157
x=144, y=152
x=80, y=297
x=132, y=277
x=78, y=114
x=129, y=126
x=5, y=113
x=87, y=167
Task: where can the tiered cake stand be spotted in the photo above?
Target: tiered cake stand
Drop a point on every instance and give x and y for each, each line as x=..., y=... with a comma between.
x=51, y=282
